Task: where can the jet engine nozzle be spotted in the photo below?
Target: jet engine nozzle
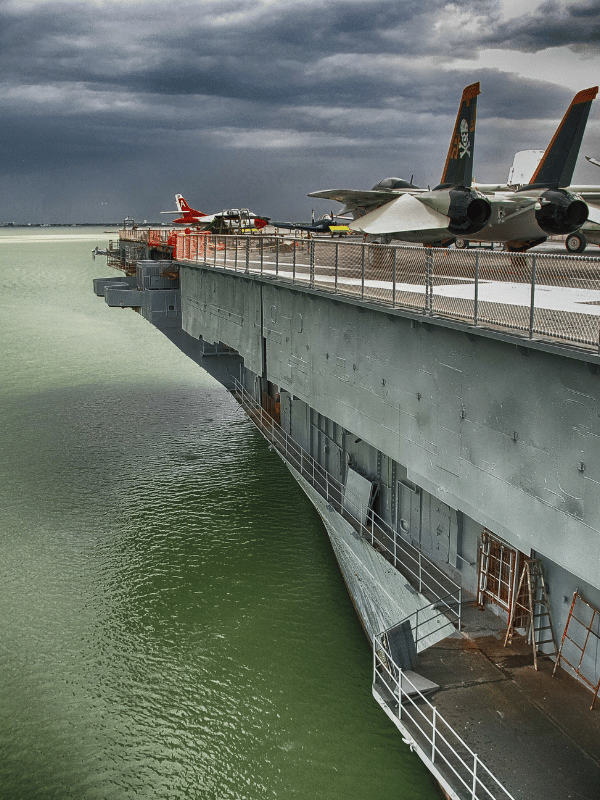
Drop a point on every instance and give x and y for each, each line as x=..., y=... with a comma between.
x=469, y=212
x=560, y=212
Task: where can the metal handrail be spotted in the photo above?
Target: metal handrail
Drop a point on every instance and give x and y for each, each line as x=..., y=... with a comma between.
x=423, y=572
x=456, y=765
x=444, y=744
x=145, y=234
x=423, y=617
x=421, y=279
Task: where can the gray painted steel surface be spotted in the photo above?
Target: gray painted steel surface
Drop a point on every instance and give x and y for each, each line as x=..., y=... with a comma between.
x=511, y=440
x=381, y=595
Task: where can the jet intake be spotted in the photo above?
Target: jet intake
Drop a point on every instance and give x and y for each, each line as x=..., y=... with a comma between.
x=469, y=212
x=560, y=212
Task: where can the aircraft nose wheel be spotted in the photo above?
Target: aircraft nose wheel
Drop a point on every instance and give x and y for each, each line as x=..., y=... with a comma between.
x=461, y=244
x=575, y=243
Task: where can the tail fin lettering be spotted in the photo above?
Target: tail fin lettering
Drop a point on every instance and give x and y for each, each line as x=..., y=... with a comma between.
x=189, y=215
x=458, y=170
x=555, y=170
x=184, y=207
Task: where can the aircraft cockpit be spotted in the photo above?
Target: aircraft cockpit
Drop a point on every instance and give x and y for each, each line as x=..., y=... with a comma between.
x=390, y=184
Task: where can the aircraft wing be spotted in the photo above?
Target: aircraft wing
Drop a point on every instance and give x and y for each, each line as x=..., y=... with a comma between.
x=355, y=198
x=290, y=226
x=409, y=213
x=405, y=213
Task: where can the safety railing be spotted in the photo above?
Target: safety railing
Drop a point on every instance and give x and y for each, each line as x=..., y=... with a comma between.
x=148, y=235
x=533, y=295
x=432, y=617
x=424, y=575
x=459, y=770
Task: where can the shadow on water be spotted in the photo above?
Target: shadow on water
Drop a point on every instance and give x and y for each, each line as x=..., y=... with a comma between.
x=174, y=621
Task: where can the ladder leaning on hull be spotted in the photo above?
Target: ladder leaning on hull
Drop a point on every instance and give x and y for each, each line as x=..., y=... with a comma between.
x=587, y=629
x=532, y=604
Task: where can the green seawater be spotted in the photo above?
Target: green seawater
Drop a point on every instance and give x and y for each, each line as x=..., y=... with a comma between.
x=173, y=621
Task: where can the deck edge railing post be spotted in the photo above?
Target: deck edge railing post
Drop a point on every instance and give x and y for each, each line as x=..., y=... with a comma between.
x=362, y=271
x=474, y=791
x=262, y=256
x=476, y=298
x=374, y=646
x=312, y=263
x=399, y=693
x=532, y=305
x=428, y=280
x=247, y=255
x=337, y=256
x=416, y=633
x=294, y=262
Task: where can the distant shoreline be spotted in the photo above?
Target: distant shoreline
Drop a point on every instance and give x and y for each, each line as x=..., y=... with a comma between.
x=69, y=224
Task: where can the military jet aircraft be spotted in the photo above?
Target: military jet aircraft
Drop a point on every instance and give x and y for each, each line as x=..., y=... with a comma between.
x=589, y=233
x=520, y=217
x=328, y=223
x=524, y=166
x=230, y=218
x=397, y=209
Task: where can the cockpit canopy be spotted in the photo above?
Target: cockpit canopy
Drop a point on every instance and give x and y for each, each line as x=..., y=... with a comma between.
x=389, y=184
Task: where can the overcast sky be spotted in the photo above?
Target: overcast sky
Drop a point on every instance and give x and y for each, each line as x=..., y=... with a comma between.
x=109, y=108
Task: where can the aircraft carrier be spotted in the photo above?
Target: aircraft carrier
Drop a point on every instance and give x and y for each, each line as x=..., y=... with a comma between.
x=441, y=410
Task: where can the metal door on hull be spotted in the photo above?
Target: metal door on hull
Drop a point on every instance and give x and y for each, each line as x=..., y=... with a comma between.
x=408, y=514
x=439, y=534
x=427, y=522
x=330, y=456
x=286, y=411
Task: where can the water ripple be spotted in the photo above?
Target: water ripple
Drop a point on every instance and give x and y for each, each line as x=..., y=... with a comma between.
x=174, y=622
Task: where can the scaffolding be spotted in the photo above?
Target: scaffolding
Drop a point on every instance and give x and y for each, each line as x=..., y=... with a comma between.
x=498, y=566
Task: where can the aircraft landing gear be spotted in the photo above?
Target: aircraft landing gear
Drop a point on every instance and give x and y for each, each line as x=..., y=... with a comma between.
x=461, y=244
x=576, y=243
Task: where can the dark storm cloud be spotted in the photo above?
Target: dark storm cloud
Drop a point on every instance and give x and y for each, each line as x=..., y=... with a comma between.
x=270, y=56
x=223, y=94
x=293, y=53
x=553, y=24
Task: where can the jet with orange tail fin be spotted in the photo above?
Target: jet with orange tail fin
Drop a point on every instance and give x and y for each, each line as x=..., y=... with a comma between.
x=457, y=208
